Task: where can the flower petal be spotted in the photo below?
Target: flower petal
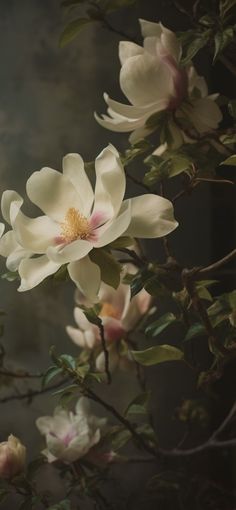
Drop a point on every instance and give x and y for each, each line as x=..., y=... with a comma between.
x=110, y=182
x=75, y=250
x=8, y=197
x=80, y=319
x=34, y=234
x=73, y=168
x=53, y=192
x=76, y=336
x=114, y=229
x=87, y=277
x=128, y=49
x=152, y=216
x=113, y=359
x=34, y=271
x=150, y=29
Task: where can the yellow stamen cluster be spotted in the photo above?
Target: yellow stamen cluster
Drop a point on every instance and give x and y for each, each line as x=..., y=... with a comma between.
x=109, y=310
x=75, y=226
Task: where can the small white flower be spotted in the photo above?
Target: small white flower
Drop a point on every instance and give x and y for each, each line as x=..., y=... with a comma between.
x=76, y=220
x=153, y=80
x=70, y=436
x=119, y=314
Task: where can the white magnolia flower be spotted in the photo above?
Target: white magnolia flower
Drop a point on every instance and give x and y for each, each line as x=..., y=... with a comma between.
x=119, y=314
x=12, y=457
x=70, y=436
x=153, y=80
x=76, y=220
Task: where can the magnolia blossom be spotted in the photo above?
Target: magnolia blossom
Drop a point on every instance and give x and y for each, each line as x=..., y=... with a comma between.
x=76, y=220
x=119, y=314
x=70, y=436
x=12, y=457
x=153, y=80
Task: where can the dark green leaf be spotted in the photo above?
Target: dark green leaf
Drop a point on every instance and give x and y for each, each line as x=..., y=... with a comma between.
x=157, y=354
x=68, y=360
x=139, y=404
x=196, y=329
x=63, y=505
x=225, y=6
x=11, y=276
x=231, y=161
x=162, y=323
x=232, y=108
x=110, y=268
x=199, y=41
x=50, y=374
x=72, y=30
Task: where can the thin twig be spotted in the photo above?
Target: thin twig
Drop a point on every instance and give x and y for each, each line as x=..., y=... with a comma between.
x=219, y=263
x=32, y=393
x=19, y=375
x=105, y=352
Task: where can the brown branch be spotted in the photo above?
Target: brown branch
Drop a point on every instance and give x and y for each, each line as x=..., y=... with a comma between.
x=29, y=395
x=105, y=352
x=19, y=375
x=219, y=263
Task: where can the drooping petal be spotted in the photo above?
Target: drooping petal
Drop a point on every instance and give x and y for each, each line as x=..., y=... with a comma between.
x=8, y=197
x=87, y=277
x=128, y=49
x=75, y=250
x=152, y=216
x=117, y=123
x=116, y=227
x=73, y=168
x=34, y=271
x=80, y=319
x=110, y=182
x=53, y=193
x=133, y=112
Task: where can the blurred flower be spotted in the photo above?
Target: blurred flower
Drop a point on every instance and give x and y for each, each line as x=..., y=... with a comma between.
x=153, y=80
x=70, y=436
x=12, y=457
x=119, y=314
x=77, y=220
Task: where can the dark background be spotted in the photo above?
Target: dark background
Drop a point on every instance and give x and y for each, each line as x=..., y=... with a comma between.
x=48, y=96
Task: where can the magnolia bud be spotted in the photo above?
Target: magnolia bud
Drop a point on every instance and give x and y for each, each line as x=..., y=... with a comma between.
x=12, y=457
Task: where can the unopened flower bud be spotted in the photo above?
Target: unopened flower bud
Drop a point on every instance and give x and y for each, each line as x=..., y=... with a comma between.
x=12, y=457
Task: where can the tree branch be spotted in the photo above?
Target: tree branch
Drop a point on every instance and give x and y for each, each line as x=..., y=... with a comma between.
x=219, y=263
x=105, y=352
x=29, y=395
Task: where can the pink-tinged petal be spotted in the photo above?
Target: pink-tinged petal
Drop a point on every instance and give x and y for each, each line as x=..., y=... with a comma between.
x=113, y=329
x=152, y=216
x=71, y=252
x=34, y=271
x=53, y=193
x=34, y=234
x=73, y=168
x=110, y=182
x=97, y=219
x=115, y=228
x=87, y=277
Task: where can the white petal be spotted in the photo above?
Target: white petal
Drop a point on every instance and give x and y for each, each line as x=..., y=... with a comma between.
x=171, y=43
x=34, y=234
x=80, y=319
x=76, y=336
x=205, y=115
x=128, y=49
x=149, y=29
x=83, y=406
x=8, y=197
x=53, y=192
x=2, y=228
x=129, y=111
x=110, y=182
x=117, y=124
x=8, y=243
x=73, y=168
x=14, y=259
x=44, y=424
x=34, y=271
x=87, y=277
x=145, y=79
x=116, y=227
x=152, y=216
x=69, y=252
x=113, y=360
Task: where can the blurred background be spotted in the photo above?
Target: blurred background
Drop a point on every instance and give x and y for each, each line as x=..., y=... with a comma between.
x=47, y=103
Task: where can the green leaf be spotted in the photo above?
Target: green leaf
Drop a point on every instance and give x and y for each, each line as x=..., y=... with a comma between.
x=50, y=374
x=63, y=505
x=160, y=324
x=139, y=404
x=119, y=438
x=110, y=268
x=199, y=41
x=92, y=316
x=232, y=108
x=231, y=161
x=222, y=39
x=68, y=360
x=196, y=329
x=157, y=354
x=72, y=30
x=225, y=6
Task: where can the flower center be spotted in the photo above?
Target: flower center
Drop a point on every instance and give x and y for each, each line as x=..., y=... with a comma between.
x=109, y=310
x=75, y=226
